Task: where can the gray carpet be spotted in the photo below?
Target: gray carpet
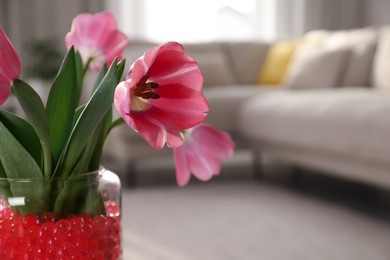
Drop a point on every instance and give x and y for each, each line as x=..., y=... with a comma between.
x=239, y=218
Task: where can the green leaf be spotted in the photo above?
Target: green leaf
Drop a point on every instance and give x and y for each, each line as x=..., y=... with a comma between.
x=18, y=164
x=100, y=77
x=33, y=107
x=87, y=154
x=91, y=116
x=121, y=68
x=77, y=114
x=24, y=133
x=77, y=195
x=16, y=161
x=61, y=104
x=104, y=129
x=80, y=73
x=119, y=121
x=36, y=195
x=5, y=190
x=2, y=171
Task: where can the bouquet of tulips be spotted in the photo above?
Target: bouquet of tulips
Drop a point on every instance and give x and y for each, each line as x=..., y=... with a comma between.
x=161, y=99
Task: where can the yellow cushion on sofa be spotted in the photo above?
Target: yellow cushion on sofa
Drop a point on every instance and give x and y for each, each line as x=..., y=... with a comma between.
x=277, y=62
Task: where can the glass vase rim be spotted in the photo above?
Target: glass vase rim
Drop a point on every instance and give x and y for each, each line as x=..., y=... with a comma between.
x=61, y=178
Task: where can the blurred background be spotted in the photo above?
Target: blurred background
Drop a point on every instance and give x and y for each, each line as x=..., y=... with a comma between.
x=29, y=22
x=290, y=213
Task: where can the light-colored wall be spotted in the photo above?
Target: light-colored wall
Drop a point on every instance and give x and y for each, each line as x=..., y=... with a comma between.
x=296, y=17
x=27, y=20
x=376, y=12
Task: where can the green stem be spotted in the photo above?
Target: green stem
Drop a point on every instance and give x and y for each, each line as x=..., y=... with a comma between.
x=33, y=115
x=85, y=69
x=115, y=123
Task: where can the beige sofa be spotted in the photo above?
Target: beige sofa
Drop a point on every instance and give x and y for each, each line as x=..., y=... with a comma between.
x=332, y=113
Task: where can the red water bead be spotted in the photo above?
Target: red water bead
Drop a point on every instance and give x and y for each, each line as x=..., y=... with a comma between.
x=77, y=223
x=67, y=248
x=86, y=217
x=112, y=209
x=23, y=243
x=48, y=229
x=72, y=235
x=54, y=252
x=97, y=255
x=99, y=221
x=33, y=233
x=6, y=213
x=30, y=220
x=6, y=252
x=34, y=251
x=59, y=238
x=11, y=242
x=47, y=217
x=86, y=231
x=5, y=209
x=16, y=224
x=20, y=254
x=5, y=227
x=44, y=242
x=76, y=237
x=63, y=225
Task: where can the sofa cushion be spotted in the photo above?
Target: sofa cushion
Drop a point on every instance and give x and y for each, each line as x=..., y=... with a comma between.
x=246, y=59
x=362, y=44
x=224, y=102
x=277, y=62
x=345, y=122
x=214, y=63
x=381, y=67
x=216, y=69
x=317, y=67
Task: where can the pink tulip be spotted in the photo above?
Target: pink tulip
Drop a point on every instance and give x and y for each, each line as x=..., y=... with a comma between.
x=162, y=95
x=9, y=66
x=97, y=38
x=202, y=153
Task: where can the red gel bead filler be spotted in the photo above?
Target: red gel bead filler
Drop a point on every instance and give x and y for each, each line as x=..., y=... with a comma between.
x=44, y=237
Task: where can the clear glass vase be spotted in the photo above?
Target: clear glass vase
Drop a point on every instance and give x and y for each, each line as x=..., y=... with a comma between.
x=63, y=218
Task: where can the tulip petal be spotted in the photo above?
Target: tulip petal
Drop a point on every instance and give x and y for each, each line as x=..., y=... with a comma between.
x=96, y=37
x=5, y=90
x=9, y=66
x=204, y=147
x=190, y=78
x=9, y=59
x=157, y=128
x=212, y=142
x=183, y=173
x=198, y=165
x=164, y=95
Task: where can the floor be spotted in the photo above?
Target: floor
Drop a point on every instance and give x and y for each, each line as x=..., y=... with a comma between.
x=235, y=217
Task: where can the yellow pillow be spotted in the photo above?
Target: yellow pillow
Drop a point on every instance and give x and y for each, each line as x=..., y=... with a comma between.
x=276, y=63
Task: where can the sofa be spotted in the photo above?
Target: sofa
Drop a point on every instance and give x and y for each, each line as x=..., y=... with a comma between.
x=320, y=101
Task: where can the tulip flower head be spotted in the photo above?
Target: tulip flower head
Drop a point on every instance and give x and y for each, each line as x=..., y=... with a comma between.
x=97, y=38
x=9, y=66
x=162, y=95
x=202, y=153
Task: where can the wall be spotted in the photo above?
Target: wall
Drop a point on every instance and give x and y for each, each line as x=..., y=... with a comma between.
x=376, y=12
x=25, y=21
x=296, y=17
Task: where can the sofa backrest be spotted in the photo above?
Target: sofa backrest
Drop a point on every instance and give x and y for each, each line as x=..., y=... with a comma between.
x=381, y=64
x=222, y=63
